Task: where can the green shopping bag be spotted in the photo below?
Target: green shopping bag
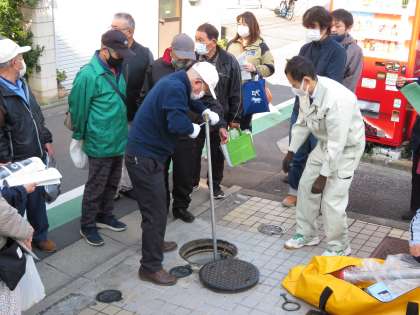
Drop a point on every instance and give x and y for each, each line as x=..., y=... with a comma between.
x=239, y=149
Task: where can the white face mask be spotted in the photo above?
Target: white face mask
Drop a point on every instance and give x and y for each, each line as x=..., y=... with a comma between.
x=243, y=31
x=300, y=92
x=201, y=49
x=313, y=35
x=22, y=71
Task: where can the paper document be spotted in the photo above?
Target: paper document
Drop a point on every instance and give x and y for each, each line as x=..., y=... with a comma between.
x=412, y=94
x=45, y=177
x=242, y=60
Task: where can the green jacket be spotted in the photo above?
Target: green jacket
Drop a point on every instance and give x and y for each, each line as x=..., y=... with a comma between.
x=98, y=113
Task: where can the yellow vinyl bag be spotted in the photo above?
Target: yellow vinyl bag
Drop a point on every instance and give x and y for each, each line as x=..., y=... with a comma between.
x=315, y=284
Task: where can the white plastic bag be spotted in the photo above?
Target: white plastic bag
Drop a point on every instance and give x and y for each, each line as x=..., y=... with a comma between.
x=31, y=288
x=78, y=156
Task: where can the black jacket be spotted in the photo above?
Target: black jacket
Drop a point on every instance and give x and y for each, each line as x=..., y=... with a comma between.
x=228, y=90
x=22, y=127
x=136, y=70
x=415, y=137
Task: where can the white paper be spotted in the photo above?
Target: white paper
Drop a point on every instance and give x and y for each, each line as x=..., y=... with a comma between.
x=242, y=60
x=41, y=178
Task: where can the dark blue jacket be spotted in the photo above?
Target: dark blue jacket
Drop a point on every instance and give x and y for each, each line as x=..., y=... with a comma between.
x=415, y=137
x=162, y=118
x=16, y=197
x=328, y=57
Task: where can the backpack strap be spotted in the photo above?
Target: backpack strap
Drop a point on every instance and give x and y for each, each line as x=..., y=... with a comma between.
x=323, y=299
x=412, y=308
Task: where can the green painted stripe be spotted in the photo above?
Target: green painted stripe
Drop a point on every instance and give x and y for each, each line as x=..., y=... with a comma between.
x=70, y=210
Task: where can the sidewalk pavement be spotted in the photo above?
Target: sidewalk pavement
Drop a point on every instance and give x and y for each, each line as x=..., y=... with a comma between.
x=74, y=275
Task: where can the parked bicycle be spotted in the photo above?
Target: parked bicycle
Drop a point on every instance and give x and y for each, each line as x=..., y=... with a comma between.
x=286, y=9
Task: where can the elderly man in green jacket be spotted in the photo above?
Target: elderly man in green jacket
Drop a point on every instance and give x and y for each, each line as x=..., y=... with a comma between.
x=99, y=117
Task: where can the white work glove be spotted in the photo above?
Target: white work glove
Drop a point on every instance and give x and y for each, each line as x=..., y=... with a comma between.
x=196, y=131
x=213, y=117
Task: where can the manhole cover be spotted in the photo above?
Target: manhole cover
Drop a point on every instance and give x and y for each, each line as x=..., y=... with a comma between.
x=270, y=229
x=109, y=296
x=229, y=275
x=390, y=246
x=181, y=271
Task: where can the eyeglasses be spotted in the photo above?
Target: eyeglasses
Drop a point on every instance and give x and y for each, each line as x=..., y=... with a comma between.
x=116, y=28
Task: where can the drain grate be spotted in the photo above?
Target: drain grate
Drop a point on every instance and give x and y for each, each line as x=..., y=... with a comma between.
x=229, y=275
x=270, y=229
x=109, y=296
x=181, y=271
x=390, y=246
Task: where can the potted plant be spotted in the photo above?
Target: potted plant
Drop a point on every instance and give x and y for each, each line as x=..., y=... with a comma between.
x=61, y=76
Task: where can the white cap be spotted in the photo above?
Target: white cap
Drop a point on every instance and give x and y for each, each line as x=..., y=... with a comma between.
x=9, y=50
x=209, y=75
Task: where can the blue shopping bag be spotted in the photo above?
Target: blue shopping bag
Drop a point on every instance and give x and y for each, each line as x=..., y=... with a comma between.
x=254, y=98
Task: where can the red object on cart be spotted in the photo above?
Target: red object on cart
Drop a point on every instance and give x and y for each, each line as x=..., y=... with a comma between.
x=389, y=34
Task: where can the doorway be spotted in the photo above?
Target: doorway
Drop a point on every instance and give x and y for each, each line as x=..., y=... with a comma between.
x=169, y=22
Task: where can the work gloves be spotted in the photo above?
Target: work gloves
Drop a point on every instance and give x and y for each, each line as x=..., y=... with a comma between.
x=213, y=117
x=196, y=131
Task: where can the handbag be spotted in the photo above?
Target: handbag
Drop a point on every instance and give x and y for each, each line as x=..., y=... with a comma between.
x=239, y=149
x=254, y=97
x=30, y=285
x=77, y=155
x=12, y=264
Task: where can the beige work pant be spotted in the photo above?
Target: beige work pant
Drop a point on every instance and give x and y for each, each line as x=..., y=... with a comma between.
x=333, y=201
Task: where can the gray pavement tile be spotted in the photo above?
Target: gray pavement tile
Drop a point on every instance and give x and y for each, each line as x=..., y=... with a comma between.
x=51, y=277
x=131, y=235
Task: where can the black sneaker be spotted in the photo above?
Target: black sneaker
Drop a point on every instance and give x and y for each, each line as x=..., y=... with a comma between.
x=91, y=236
x=219, y=194
x=184, y=215
x=110, y=223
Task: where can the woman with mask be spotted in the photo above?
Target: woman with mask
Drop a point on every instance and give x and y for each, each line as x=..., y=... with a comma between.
x=259, y=58
x=329, y=59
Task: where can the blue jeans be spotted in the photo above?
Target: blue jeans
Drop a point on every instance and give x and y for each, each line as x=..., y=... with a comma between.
x=299, y=160
x=36, y=213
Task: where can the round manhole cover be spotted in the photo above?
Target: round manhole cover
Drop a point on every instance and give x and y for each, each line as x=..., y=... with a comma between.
x=109, y=296
x=229, y=275
x=270, y=229
x=181, y=271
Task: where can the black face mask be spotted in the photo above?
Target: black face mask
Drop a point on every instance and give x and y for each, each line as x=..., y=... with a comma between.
x=114, y=62
x=180, y=64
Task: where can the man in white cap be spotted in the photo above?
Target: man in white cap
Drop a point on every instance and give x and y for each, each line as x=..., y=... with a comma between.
x=152, y=139
x=23, y=133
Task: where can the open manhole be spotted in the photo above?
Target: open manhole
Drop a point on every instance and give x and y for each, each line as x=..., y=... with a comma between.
x=270, y=229
x=200, y=252
x=390, y=246
x=229, y=275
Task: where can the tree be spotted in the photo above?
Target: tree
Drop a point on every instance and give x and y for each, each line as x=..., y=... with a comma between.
x=12, y=26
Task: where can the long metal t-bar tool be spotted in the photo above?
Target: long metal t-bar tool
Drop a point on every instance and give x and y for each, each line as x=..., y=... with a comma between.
x=210, y=178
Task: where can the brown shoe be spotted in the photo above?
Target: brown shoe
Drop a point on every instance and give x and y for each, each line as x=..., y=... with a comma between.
x=169, y=246
x=47, y=246
x=289, y=201
x=161, y=277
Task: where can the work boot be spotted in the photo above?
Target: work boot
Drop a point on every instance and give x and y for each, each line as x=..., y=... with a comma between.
x=46, y=246
x=184, y=215
x=169, y=246
x=161, y=277
x=298, y=241
x=407, y=216
x=289, y=201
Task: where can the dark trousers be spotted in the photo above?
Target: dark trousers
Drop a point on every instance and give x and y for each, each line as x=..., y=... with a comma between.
x=217, y=158
x=100, y=189
x=36, y=213
x=299, y=160
x=246, y=122
x=415, y=185
x=182, y=174
x=148, y=179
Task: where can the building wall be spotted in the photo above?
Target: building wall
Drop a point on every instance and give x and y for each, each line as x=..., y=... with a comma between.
x=79, y=25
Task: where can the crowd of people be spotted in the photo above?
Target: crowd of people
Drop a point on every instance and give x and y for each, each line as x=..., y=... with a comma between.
x=135, y=116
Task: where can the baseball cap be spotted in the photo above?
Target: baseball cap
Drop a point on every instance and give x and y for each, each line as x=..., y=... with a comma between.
x=209, y=75
x=183, y=46
x=9, y=50
x=117, y=41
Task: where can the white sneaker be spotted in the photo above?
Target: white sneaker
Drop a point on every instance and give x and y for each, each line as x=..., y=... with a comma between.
x=298, y=241
x=343, y=252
